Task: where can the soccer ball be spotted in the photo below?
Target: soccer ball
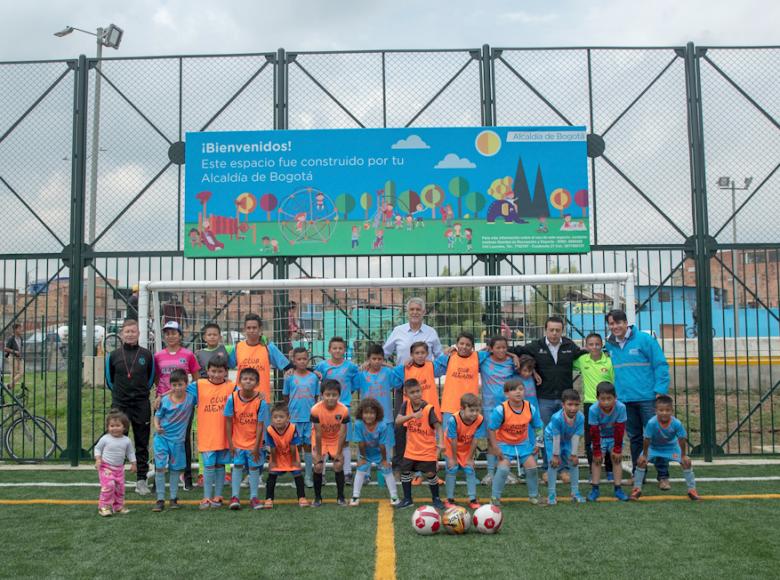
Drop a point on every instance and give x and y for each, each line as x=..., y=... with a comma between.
x=426, y=520
x=488, y=519
x=456, y=520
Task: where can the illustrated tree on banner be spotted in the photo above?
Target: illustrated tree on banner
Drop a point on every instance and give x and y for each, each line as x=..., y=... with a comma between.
x=432, y=197
x=366, y=201
x=408, y=200
x=581, y=199
x=560, y=199
x=459, y=187
x=345, y=203
x=475, y=203
x=268, y=203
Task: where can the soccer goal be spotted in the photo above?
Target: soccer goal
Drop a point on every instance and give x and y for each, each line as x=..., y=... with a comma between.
x=309, y=312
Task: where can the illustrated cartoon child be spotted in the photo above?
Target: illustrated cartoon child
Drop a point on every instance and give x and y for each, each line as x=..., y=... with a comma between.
x=388, y=215
x=379, y=240
x=320, y=200
x=468, y=233
x=458, y=226
x=355, y=237
x=409, y=222
x=266, y=241
x=448, y=215
x=398, y=222
x=450, y=238
x=275, y=245
x=300, y=220
x=542, y=228
x=419, y=223
x=195, y=238
x=209, y=239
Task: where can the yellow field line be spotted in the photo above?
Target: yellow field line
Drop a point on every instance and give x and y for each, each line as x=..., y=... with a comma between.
x=139, y=501
x=384, y=569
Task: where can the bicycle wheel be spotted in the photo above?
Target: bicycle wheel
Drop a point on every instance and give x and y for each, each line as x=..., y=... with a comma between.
x=30, y=438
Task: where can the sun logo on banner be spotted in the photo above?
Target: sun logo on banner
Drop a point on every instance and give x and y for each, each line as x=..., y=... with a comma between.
x=488, y=143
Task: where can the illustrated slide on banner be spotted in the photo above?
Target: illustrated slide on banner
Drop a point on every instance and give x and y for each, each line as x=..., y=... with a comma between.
x=476, y=190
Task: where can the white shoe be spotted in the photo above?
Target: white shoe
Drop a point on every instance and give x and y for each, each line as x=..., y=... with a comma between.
x=487, y=480
x=141, y=487
x=354, y=502
x=511, y=479
x=394, y=501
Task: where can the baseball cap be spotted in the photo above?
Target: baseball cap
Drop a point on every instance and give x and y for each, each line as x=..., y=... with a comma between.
x=172, y=325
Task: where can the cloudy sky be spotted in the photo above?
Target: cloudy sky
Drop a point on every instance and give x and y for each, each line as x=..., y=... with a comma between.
x=198, y=26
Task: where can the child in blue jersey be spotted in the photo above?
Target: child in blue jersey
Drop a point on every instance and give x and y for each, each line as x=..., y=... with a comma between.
x=378, y=381
x=664, y=437
x=371, y=434
x=170, y=423
x=344, y=372
x=300, y=393
x=495, y=369
x=607, y=421
x=526, y=365
x=511, y=432
x=562, y=441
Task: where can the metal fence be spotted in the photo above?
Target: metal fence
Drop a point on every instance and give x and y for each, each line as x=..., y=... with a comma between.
x=674, y=132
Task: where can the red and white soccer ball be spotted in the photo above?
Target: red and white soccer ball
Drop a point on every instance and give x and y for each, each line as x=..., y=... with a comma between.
x=488, y=519
x=426, y=520
x=456, y=520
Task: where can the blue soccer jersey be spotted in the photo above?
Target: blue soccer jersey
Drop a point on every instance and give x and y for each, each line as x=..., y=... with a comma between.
x=379, y=386
x=344, y=373
x=606, y=421
x=373, y=439
x=529, y=390
x=560, y=426
x=303, y=391
x=175, y=416
x=665, y=441
x=494, y=375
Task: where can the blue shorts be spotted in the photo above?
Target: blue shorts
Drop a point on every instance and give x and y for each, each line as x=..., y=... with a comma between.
x=607, y=445
x=671, y=455
x=513, y=453
x=304, y=431
x=565, y=451
x=169, y=454
x=214, y=458
x=244, y=458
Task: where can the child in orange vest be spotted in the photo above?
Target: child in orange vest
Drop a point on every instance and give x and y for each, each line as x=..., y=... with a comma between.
x=283, y=439
x=462, y=374
x=462, y=431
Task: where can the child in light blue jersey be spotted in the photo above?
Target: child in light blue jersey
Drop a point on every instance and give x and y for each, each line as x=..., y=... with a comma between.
x=562, y=440
x=372, y=433
x=300, y=393
x=607, y=423
x=378, y=382
x=664, y=437
x=170, y=424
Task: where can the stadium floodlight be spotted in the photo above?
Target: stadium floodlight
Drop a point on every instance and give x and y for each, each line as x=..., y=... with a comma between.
x=111, y=36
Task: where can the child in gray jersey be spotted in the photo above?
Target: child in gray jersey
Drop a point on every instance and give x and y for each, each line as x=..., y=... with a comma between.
x=110, y=453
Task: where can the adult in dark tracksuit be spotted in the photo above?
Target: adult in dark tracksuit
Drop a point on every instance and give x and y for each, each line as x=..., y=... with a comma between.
x=641, y=374
x=130, y=377
x=554, y=355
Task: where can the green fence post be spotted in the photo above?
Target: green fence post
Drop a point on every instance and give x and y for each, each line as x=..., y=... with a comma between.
x=73, y=256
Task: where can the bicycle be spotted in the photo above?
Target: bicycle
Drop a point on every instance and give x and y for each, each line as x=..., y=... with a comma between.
x=692, y=332
x=24, y=434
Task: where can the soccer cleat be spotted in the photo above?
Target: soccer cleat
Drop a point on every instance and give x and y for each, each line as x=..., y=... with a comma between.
x=255, y=504
x=141, y=487
x=341, y=502
x=105, y=512
x=123, y=511
x=204, y=504
x=404, y=503
x=187, y=485
x=496, y=501
x=487, y=481
x=610, y=476
x=159, y=505
x=235, y=504
x=552, y=500
x=216, y=502
x=664, y=484
x=694, y=495
x=269, y=504
x=316, y=503
x=174, y=504
x=347, y=479
x=303, y=502
x=620, y=495
x=438, y=504
x=354, y=502
x=449, y=503
x=533, y=500
x=577, y=498
x=474, y=504
x=417, y=480
x=245, y=481
x=511, y=479
x=394, y=501
x=636, y=493
x=594, y=494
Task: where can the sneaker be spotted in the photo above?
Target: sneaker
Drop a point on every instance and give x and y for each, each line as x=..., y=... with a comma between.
x=174, y=504
x=394, y=501
x=235, y=504
x=417, y=480
x=105, y=512
x=552, y=500
x=200, y=481
x=636, y=493
x=594, y=494
x=303, y=502
x=487, y=480
x=187, y=485
x=511, y=479
x=664, y=484
x=308, y=482
x=577, y=498
x=245, y=481
x=204, y=504
x=496, y=501
x=228, y=478
x=268, y=505
x=620, y=495
x=449, y=503
x=404, y=503
x=142, y=487
x=159, y=505
x=316, y=503
x=341, y=502
x=438, y=504
x=355, y=501
x=347, y=479
x=255, y=504
x=474, y=504
x=533, y=500
x=694, y=495
x=216, y=502
x=610, y=476
x=565, y=477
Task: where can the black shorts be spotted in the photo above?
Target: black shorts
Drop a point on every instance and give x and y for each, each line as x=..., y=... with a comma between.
x=407, y=465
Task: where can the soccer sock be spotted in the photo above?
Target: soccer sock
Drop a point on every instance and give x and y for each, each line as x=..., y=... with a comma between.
x=574, y=473
x=235, y=483
x=492, y=461
x=299, y=489
x=689, y=479
x=406, y=484
x=433, y=483
x=307, y=460
x=208, y=482
x=318, y=486
x=499, y=480
x=357, y=483
x=471, y=482
x=174, y=483
x=340, y=485
x=449, y=482
x=347, y=460
x=639, y=477
x=270, y=486
x=159, y=483
x=552, y=480
x=392, y=487
x=219, y=480
x=254, y=482
x=532, y=480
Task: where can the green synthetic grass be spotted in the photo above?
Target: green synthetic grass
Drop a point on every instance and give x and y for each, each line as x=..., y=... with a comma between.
x=709, y=539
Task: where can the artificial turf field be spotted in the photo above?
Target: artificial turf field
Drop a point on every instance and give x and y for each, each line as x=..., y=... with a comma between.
x=664, y=535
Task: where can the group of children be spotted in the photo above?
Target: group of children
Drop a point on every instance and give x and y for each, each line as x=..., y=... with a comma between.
x=236, y=426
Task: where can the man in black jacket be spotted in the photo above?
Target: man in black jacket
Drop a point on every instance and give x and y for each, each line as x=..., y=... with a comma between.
x=130, y=377
x=554, y=355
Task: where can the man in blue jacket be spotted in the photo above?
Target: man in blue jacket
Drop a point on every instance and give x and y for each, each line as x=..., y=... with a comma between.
x=641, y=374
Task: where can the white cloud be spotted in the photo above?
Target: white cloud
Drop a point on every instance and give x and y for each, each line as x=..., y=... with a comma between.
x=411, y=142
x=523, y=17
x=452, y=161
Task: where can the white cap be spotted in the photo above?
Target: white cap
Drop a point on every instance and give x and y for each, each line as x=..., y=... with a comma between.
x=172, y=325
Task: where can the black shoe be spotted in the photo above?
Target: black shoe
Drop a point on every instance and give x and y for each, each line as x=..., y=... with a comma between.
x=174, y=504
x=348, y=479
x=405, y=503
x=438, y=504
x=159, y=506
x=187, y=484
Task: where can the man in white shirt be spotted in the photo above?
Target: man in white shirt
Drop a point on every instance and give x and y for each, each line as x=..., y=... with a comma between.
x=404, y=335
